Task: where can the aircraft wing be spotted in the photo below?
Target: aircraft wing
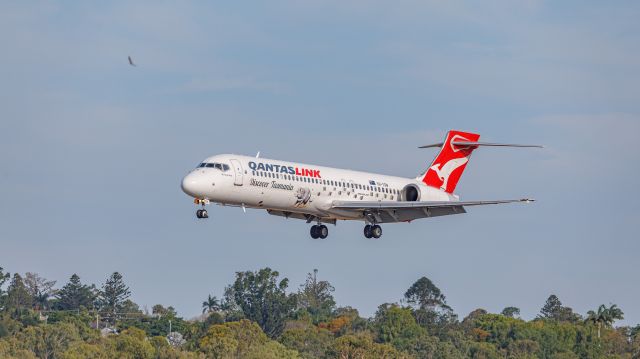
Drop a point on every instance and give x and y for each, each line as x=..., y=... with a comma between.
x=364, y=205
x=406, y=211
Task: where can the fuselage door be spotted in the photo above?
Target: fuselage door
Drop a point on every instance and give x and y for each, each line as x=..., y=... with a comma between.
x=237, y=169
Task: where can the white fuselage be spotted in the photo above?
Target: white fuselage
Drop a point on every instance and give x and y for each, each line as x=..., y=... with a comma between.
x=288, y=188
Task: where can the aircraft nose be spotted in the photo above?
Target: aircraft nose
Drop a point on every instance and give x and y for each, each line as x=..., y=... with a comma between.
x=193, y=184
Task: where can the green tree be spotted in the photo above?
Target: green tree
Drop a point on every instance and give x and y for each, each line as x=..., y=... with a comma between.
x=18, y=298
x=511, y=312
x=49, y=341
x=212, y=304
x=604, y=316
x=161, y=311
x=310, y=341
x=635, y=342
x=362, y=346
x=431, y=309
x=130, y=343
x=243, y=339
x=425, y=295
x=39, y=289
x=85, y=351
x=4, y=277
x=397, y=326
x=315, y=297
x=554, y=310
x=75, y=295
x=263, y=299
x=113, y=295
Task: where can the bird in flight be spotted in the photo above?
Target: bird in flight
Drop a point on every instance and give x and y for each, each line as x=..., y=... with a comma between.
x=131, y=62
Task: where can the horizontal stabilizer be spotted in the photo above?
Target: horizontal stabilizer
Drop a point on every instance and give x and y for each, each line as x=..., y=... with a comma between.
x=477, y=144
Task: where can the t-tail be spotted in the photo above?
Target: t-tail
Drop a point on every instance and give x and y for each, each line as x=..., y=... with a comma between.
x=446, y=169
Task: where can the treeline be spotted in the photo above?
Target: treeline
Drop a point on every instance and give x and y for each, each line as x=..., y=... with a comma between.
x=259, y=316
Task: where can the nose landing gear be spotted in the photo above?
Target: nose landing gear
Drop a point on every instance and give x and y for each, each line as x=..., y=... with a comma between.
x=319, y=231
x=372, y=231
x=202, y=213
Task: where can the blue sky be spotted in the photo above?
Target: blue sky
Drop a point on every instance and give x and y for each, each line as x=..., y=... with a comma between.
x=93, y=150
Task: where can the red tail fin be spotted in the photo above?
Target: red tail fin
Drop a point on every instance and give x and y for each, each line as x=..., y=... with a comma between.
x=446, y=169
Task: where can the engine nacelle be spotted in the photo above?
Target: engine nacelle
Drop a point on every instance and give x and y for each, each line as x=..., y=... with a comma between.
x=410, y=193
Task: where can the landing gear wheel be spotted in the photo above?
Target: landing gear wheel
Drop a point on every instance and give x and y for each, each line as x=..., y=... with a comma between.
x=314, y=232
x=202, y=213
x=323, y=231
x=367, y=231
x=376, y=231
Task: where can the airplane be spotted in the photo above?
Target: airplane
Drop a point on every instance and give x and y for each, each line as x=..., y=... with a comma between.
x=322, y=195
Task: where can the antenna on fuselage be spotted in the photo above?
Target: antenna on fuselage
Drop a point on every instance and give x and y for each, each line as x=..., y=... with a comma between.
x=258, y=154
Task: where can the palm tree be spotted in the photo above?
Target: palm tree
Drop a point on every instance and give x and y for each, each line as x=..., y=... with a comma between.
x=604, y=316
x=615, y=313
x=212, y=304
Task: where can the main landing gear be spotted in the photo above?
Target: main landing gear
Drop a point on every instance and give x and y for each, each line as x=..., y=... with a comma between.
x=372, y=231
x=202, y=213
x=319, y=231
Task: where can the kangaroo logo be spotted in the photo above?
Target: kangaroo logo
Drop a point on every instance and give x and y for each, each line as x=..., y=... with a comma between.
x=444, y=170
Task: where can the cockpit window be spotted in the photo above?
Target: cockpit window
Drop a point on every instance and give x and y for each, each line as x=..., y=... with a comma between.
x=221, y=166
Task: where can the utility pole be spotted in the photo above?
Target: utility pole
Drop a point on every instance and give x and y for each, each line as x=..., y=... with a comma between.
x=97, y=321
x=169, y=327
